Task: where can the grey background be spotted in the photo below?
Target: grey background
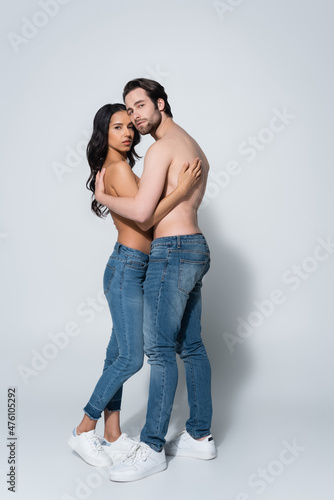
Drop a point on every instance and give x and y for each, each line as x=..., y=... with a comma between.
x=227, y=66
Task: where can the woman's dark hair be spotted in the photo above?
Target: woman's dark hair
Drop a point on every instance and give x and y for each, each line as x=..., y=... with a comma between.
x=97, y=150
x=153, y=89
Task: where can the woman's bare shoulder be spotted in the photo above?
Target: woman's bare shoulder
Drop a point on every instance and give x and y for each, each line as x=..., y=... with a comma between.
x=118, y=169
x=120, y=177
x=116, y=165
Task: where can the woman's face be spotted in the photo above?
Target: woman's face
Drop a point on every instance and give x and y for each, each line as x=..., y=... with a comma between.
x=121, y=132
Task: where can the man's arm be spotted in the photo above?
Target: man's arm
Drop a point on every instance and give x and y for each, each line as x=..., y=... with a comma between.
x=141, y=206
x=121, y=181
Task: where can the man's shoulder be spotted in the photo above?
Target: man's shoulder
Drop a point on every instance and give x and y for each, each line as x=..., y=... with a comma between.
x=159, y=144
x=160, y=147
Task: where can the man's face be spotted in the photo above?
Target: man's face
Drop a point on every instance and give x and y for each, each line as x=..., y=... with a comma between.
x=144, y=115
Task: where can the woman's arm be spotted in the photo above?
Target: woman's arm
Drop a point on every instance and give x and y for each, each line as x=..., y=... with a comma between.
x=187, y=178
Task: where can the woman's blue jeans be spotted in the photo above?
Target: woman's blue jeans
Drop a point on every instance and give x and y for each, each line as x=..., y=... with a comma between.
x=172, y=324
x=123, y=286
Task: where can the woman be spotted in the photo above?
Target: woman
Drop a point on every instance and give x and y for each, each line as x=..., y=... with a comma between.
x=112, y=146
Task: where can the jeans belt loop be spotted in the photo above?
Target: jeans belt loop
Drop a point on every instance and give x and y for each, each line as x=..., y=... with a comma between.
x=178, y=242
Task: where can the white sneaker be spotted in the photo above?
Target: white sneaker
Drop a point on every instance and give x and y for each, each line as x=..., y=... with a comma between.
x=142, y=462
x=119, y=449
x=184, y=445
x=88, y=446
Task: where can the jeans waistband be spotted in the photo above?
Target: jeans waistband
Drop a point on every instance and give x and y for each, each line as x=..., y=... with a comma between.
x=130, y=252
x=179, y=240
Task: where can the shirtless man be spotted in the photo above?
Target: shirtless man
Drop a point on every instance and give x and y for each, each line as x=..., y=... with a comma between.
x=179, y=259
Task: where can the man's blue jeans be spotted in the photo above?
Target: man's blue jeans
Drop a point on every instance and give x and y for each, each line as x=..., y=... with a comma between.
x=172, y=324
x=123, y=286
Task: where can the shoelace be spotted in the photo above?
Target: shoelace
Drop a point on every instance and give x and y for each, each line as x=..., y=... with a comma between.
x=94, y=442
x=138, y=452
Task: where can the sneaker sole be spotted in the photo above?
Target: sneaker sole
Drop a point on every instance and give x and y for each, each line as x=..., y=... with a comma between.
x=88, y=460
x=125, y=477
x=191, y=454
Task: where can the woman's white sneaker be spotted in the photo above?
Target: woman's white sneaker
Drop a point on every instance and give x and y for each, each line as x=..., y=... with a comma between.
x=119, y=449
x=88, y=447
x=184, y=445
x=142, y=462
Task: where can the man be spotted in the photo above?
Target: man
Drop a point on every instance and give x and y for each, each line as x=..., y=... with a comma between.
x=179, y=259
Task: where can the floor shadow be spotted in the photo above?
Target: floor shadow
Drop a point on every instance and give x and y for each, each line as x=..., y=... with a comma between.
x=227, y=294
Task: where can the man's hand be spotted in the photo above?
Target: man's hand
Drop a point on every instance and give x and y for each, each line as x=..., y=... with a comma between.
x=188, y=176
x=99, y=186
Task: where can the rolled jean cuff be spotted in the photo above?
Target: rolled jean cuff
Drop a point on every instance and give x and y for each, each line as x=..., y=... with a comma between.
x=199, y=435
x=92, y=412
x=153, y=446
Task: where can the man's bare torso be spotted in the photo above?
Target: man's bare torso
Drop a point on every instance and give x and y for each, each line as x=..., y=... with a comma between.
x=181, y=147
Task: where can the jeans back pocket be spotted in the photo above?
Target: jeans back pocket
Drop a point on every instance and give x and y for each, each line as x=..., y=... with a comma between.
x=107, y=277
x=190, y=272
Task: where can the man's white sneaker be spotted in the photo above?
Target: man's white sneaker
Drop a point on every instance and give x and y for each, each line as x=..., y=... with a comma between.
x=119, y=449
x=142, y=462
x=184, y=445
x=88, y=446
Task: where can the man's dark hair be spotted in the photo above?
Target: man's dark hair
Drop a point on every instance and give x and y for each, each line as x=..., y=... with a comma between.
x=153, y=89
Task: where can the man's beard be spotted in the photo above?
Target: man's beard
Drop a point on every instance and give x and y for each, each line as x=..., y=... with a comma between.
x=150, y=125
x=146, y=128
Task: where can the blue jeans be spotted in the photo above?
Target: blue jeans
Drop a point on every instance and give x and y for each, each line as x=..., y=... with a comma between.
x=123, y=286
x=172, y=324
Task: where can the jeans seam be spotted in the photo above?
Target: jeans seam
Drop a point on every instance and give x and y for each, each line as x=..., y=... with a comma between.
x=158, y=424
x=194, y=391
x=161, y=400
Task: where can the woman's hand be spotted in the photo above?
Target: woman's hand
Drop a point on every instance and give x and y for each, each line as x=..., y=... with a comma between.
x=99, y=186
x=189, y=176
